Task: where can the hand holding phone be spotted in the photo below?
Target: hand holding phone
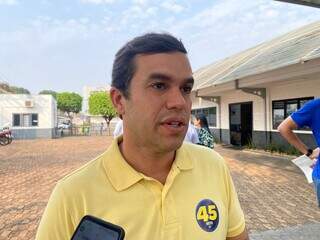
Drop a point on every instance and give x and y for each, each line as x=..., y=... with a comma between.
x=92, y=228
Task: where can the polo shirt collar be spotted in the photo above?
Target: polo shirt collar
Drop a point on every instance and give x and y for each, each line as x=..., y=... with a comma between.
x=123, y=176
x=183, y=159
x=119, y=172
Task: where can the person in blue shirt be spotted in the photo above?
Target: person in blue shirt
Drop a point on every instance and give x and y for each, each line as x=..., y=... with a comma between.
x=308, y=115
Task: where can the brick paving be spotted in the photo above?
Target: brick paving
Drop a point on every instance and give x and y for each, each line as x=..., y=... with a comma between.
x=301, y=232
x=273, y=192
x=28, y=172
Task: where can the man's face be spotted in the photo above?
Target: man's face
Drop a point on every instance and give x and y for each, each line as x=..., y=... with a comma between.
x=157, y=111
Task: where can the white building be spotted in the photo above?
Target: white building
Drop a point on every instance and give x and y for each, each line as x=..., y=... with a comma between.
x=247, y=95
x=29, y=116
x=87, y=90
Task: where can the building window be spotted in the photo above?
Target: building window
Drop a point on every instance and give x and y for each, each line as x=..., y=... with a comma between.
x=34, y=119
x=283, y=108
x=210, y=113
x=16, y=120
x=25, y=119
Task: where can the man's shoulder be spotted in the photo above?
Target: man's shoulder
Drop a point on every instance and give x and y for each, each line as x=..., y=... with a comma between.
x=317, y=104
x=313, y=104
x=203, y=156
x=86, y=174
x=317, y=101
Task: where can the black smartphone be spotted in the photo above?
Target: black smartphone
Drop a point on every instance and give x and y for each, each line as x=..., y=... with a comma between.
x=92, y=228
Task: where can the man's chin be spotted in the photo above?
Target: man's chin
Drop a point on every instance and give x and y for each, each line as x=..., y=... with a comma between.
x=172, y=145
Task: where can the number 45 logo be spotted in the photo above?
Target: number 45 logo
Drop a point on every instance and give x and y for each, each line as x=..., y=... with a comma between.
x=207, y=215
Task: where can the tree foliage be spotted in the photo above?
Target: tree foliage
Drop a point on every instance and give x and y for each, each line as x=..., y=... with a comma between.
x=100, y=104
x=19, y=90
x=6, y=88
x=69, y=102
x=49, y=92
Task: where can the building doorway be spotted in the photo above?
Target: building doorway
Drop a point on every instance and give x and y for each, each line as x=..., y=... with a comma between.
x=240, y=119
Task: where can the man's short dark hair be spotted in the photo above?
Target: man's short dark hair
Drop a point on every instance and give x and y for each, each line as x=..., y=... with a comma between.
x=150, y=43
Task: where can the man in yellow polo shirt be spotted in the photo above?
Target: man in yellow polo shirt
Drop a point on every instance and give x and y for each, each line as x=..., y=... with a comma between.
x=148, y=181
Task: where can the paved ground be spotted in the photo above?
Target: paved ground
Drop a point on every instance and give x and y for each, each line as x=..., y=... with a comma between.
x=273, y=192
x=29, y=171
x=278, y=202
x=303, y=232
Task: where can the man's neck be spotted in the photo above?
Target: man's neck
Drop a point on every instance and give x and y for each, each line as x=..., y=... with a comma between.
x=146, y=161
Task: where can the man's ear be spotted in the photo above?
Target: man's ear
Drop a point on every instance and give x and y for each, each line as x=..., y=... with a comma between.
x=117, y=99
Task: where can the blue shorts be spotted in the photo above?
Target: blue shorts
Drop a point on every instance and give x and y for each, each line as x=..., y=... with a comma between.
x=316, y=182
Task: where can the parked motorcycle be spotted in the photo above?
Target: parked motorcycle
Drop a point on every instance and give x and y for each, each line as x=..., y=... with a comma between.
x=5, y=136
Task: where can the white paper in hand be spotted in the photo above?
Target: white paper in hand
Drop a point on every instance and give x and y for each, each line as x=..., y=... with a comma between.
x=304, y=163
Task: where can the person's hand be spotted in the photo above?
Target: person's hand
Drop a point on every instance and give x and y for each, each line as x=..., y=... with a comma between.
x=314, y=156
x=315, y=153
x=313, y=163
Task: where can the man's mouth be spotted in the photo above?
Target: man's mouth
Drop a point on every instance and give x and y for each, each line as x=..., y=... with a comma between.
x=175, y=124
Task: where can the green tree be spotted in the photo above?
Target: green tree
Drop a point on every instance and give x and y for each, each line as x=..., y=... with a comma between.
x=49, y=92
x=69, y=103
x=19, y=90
x=6, y=88
x=100, y=104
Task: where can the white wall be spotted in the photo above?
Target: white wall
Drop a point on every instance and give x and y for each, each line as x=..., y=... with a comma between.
x=54, y=113
x=238, y=96
x=44, y=105
x=299, y=88
x=201, y=103
x=293, y=88
x=87, y=90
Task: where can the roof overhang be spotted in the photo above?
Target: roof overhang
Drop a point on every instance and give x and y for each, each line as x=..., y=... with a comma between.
x=216, y=89
x=295, y=71
x=311, y=3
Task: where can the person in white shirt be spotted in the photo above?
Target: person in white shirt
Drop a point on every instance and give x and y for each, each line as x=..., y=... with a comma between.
x=118, y=129
x=192, y=134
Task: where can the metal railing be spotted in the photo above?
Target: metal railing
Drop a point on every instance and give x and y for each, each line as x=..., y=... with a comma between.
x=85, y=130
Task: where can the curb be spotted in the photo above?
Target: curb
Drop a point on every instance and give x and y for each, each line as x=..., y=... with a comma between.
x=283, y=156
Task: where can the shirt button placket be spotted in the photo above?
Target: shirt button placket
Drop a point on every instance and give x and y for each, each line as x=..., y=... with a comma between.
x=171, y=229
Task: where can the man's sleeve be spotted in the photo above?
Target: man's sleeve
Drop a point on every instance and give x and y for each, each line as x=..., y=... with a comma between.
x=236, y=221
x=56, y=222
x=303, y=116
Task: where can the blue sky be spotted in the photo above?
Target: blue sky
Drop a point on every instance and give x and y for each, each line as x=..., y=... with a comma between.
x=65, y=44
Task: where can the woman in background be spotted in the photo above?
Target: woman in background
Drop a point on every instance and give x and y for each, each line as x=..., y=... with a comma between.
x=205, y=136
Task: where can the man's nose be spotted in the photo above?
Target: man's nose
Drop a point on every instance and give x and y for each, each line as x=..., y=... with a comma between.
x=176, y=100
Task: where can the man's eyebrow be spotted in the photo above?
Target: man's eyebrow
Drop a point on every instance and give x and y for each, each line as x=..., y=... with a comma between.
x=164, y=77
x=159, y=76
x=190, y=80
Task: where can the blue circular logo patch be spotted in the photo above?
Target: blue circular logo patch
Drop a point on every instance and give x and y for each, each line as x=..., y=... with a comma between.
x=207, y=215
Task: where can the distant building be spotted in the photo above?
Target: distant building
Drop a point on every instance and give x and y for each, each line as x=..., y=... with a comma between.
x=311, y=3
x=247, y=95
x=29, y=116
x=87, y=90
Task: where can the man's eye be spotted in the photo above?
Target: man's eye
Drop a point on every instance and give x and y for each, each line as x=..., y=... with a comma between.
x=159, y=86
x=186, y=89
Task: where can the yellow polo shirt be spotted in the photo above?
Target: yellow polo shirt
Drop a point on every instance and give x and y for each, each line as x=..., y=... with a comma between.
x=198, y=200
